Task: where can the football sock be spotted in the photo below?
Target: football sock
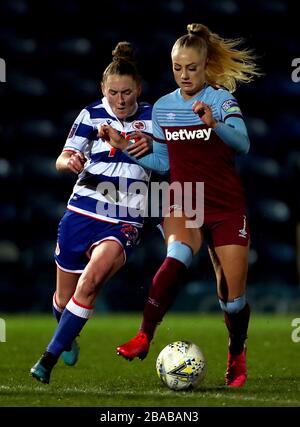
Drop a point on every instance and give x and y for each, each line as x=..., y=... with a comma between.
x=165, y=287
x=237, y=325
x=57, y=311
x=72, y=321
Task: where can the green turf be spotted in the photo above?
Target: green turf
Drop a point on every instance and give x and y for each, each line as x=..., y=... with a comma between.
x=103, y=379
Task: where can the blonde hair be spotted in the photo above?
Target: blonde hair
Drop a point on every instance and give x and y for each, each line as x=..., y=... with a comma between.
x=226, y=65
x=123, y=62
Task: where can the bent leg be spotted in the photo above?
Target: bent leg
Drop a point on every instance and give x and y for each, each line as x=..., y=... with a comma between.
x=106, y=258
x=233, y=267
x=181, y=244
x=230, y=264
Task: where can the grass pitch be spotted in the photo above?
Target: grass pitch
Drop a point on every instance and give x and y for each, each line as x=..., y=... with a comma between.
x=103, y=379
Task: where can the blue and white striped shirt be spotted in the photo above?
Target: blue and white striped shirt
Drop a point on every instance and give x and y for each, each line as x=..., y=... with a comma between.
x=103, y=189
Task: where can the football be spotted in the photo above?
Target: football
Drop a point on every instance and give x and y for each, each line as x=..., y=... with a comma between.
x=181, y=365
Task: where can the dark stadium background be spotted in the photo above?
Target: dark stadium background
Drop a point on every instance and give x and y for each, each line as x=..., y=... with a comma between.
x=55, y=52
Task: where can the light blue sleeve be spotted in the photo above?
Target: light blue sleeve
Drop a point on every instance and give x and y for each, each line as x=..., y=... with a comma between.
x=158, y=160
x=158, y=133
x=234, y=133
x=231, y=129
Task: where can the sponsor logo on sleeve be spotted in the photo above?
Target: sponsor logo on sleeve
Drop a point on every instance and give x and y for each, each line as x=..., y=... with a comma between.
x=73, y=130
x=231, y=106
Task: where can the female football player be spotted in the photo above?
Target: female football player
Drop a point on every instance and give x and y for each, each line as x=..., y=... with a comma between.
x=102, y=222
x=202, y=128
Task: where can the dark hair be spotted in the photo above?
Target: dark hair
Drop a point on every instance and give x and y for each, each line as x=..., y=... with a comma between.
x=123, y=62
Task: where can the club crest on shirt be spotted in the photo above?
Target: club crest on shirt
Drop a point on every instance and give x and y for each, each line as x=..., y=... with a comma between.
x=139, y=125
x=231, y=106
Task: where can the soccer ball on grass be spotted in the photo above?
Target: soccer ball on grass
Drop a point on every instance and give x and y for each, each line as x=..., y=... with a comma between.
x=181, y=365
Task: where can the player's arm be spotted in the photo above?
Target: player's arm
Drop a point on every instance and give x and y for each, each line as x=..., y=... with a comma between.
x=70, y=161
x=158, y=160
x=233, y=132
x=81, y=134
x=136, y=144
x=142, y=144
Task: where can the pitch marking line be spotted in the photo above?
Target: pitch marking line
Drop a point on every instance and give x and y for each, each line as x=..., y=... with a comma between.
x=184, y=395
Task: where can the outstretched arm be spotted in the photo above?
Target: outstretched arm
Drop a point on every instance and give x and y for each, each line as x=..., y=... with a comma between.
x=158, y=160
x=142, y=144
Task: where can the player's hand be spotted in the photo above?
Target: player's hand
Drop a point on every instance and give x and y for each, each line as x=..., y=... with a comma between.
x=204, y=111
x=112, y=136
x=76, y=162
x=142, y=144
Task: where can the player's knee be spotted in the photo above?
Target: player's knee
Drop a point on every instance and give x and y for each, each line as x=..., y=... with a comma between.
x=87, y=284
x=181, y=252
x=91, y=281
x=235, y=306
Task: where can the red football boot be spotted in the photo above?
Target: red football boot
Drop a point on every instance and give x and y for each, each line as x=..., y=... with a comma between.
x=136, y=347
x=236, y=373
